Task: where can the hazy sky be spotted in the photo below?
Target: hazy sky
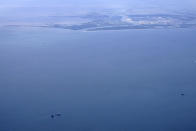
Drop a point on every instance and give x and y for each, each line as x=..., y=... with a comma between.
x=10, y=7
x=159, y=3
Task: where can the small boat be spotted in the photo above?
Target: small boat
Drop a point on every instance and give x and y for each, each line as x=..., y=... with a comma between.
x=52, y=116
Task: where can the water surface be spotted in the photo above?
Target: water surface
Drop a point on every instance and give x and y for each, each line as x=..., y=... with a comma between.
x=99, y=81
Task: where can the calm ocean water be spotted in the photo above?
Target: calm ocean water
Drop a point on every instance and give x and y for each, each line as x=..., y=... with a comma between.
x=136, y=80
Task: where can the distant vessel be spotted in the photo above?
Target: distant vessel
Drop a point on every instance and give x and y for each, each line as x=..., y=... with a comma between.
x=56, y=115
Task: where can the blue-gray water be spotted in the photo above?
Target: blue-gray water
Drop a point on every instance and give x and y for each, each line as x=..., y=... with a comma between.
x=99, y=81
